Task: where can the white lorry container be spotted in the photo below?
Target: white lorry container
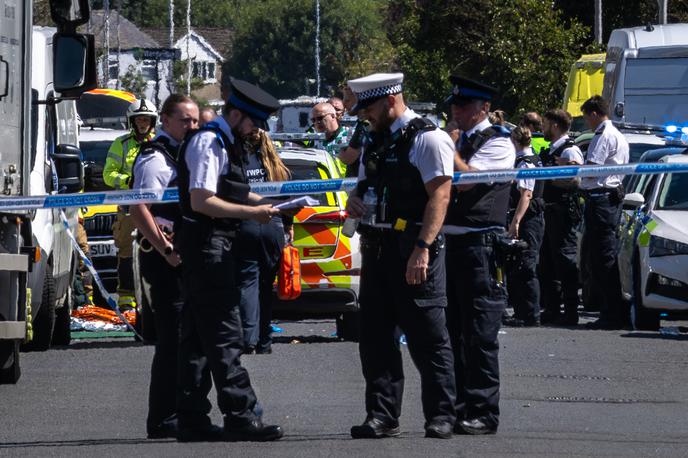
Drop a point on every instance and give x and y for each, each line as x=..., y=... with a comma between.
x=40, y=73
x=646, y=75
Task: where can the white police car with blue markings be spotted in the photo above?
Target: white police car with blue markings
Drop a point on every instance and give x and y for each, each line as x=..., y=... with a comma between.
x=653, y=258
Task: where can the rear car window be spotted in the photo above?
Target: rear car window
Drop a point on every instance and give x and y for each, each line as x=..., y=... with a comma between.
x=95, y=151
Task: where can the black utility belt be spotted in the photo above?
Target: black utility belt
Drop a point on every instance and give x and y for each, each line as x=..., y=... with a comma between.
x=485, y=238
x=397, y=225
x=601, y=191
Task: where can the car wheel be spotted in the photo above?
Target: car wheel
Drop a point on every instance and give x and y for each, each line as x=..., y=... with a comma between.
x=642, y=318
x=9, y=362
x=44, y=323
x=349, y=326
x=62, y=335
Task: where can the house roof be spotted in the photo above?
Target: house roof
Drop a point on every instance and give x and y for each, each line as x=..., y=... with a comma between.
x=130, y=36
x=219, y=40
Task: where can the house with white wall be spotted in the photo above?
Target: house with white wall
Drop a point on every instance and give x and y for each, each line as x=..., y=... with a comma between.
x=130, y=50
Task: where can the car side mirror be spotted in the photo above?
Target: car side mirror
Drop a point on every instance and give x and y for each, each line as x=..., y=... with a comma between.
x=633, y=201
x=74, y=69
x=69, y=169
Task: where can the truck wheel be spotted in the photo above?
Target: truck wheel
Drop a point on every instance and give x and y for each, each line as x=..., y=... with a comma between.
x=44, y=323
x=62, y=335
x=9, y=362
x=349, y=326
x=145, y=324
x=642, y=318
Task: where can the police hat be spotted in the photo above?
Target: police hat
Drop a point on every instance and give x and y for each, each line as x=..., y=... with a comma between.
x=373, y=87
x=252, y=101
x=466, y=89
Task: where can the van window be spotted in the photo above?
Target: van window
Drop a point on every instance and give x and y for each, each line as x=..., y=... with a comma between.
x=656, y=90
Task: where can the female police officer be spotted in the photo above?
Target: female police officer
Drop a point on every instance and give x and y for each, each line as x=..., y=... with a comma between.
x=155, y=168
x=214, y=198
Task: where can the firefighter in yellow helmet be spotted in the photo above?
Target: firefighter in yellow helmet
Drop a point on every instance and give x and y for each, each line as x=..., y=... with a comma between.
x=142, y=117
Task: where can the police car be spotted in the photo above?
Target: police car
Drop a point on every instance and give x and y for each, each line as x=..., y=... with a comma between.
x=653, y=258
x=330, y=261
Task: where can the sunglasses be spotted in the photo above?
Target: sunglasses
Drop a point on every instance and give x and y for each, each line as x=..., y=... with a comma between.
x=319, y=119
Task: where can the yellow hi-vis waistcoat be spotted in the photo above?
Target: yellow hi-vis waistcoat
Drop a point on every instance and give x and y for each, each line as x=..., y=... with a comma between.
x=120, y=160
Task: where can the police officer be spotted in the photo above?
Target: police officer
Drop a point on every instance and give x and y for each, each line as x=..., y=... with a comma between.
x=142, y=117
x=477, y=213
x=558, y=269
x=533, y=122
x=603, y=200
x=528, y=225
x=156, y=168
x=402, y=194
x=214, y=198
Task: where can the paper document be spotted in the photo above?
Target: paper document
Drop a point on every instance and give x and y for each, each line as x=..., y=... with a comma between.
x=303, y=201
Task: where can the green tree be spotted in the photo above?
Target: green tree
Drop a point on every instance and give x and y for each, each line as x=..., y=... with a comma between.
x=274, y=43
x=132, y=81
x=523, y=47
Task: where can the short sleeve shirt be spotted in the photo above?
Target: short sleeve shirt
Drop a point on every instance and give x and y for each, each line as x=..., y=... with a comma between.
x=154, y=171
x=525, y=184
x=206, y=159
x=608, y=147
x=498, y=153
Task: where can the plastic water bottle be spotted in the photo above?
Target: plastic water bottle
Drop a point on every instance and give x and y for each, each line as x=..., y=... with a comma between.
x=370, y=202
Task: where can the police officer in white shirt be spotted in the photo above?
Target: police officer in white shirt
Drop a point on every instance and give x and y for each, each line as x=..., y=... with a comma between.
x=604, y=197
x=214, y=197
x=156, y=168
x=476, y=217
x=527, y=225
x=563, y=213
x=405, y=182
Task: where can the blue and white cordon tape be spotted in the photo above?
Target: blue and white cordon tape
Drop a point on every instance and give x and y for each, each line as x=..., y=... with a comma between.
x=303, y=187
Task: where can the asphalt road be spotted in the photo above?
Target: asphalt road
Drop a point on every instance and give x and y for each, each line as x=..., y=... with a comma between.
x=565, y=392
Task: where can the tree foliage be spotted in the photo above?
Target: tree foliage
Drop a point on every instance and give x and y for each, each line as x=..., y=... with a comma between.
x=523, y=47
x=274, y=43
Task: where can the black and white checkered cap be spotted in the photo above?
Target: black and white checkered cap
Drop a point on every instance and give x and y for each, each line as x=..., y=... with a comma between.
x=370, y=88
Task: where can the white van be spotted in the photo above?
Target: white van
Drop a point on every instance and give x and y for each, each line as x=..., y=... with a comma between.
x=646, y=75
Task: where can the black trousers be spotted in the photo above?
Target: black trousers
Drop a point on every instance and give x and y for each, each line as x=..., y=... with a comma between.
x=602, y=213
x=558, y=269
x=523, y=284
x=259, y=249
x=476, y=304
x=212, y=336
x=388, y=301
x=162, y=287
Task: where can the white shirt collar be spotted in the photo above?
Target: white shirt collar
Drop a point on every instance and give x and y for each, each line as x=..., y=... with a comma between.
x=162, y=133
x=558, y=143
x=527, y=151
x=402, y=120
x=482, y=125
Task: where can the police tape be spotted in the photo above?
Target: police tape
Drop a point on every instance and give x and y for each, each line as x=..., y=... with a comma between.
x=111, y=302
x=304, y=187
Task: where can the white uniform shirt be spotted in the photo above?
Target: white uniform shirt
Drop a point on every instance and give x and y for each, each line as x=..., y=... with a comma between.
x=525, y=184
x=432, y=152
x=154, y=171
x=608, y=146
x=206, y=159
x=570, y=154
x=498, y=153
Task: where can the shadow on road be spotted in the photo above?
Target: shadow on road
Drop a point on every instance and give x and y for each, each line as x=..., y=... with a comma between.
x=304, y=339
x=91, y=344
x=78, y=443
x=656, y=335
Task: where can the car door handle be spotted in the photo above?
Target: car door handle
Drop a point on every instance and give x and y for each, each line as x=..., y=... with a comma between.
x=6, y=89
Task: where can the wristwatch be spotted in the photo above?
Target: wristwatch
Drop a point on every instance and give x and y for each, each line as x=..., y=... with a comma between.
x=422, y=244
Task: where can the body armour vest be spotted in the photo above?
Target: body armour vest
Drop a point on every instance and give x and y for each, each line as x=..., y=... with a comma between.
x=483, y=205
x=231, y=186
x=536, y=202
x=551, y=192
x=169, y=211
x=397, y=182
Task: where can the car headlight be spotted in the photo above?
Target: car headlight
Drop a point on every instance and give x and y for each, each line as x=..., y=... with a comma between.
x=664, y=247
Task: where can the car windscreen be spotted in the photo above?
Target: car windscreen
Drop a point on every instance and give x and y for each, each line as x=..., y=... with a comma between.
x=309, y=170
x=674, y=192
x=637, y=149
x=95, y=151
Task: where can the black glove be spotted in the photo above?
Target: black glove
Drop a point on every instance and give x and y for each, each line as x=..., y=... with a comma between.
x=359, y=134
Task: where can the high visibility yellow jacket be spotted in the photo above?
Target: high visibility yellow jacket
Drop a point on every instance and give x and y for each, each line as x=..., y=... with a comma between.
x=120, y=160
